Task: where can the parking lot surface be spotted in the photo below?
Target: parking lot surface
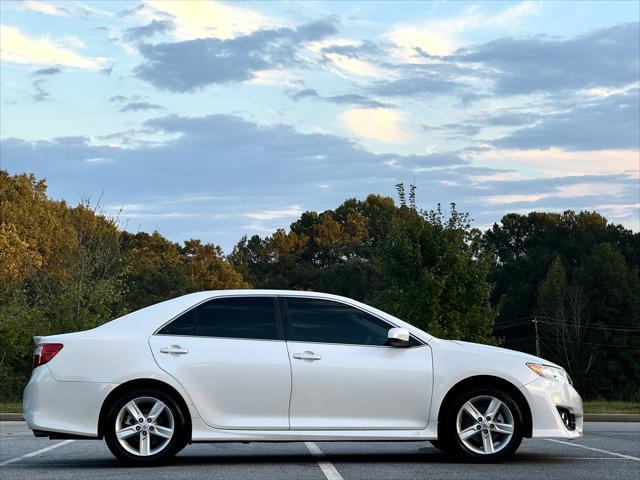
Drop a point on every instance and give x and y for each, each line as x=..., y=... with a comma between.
x=607, y=451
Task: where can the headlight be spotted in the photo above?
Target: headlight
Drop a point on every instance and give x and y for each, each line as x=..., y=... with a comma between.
x=548, y=371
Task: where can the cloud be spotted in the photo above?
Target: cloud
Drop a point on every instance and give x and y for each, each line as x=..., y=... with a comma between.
x=509, y=118
x=345, y=99
x=196, y=19
x=15, y=47
x=608, y=57
x=46, y=8
x=437, y=78
x=118, y=98
x=355, y=66
x=211, y=196
x=417, y=85
x=140, y=106
x=215, y=152
x=107, y=70
x=456, y=129
x=442, y=36
x=40, y=95
x=288, y=212
x=275, y=78
x=555, y=162
x=351, y=49
x=606, y=123
x=616, y=193
x=98, y=160
x=124, y=98
x=600, y=62
x=380, y=124
x=129, y=11
x=47, y=71
x=305, y=93
x=355, y=99
x=135, y=34
x=193, y=64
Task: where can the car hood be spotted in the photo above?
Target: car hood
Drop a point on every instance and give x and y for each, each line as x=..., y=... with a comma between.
x=498, y=352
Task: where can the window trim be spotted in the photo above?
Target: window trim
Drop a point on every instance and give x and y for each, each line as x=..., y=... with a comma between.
x=276, y=313
x=290, y=334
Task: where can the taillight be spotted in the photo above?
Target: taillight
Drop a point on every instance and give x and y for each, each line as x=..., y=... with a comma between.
x=45, y=352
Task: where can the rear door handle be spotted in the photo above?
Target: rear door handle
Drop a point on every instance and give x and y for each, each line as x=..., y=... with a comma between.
x=307, y=356
x=174, y=349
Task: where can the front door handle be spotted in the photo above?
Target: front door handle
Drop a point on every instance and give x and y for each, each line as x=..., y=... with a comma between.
x=174, y=349
x=307, y=356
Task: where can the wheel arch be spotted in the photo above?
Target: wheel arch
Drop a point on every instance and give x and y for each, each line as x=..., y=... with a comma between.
x=488, y=381
x=144, y=383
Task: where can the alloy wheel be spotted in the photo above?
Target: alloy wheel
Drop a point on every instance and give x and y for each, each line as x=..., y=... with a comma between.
x=144, y=426
x=485, y=425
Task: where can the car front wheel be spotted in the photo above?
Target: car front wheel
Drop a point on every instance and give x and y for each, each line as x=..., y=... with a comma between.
x=483, y=424
x=145, y=427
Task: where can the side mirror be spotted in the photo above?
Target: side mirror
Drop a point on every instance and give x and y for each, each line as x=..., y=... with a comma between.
x=398, y=337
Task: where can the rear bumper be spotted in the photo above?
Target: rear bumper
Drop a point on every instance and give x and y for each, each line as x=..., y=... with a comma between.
x=70, y=408
x=545, y=397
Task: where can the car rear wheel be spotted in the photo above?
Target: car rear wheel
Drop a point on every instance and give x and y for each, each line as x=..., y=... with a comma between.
x=145, y=427
x=483, y=424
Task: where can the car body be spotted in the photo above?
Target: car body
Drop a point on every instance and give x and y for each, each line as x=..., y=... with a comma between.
x=271, y=365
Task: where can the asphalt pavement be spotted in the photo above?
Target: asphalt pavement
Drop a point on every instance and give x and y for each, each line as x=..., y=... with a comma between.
x=607, y=451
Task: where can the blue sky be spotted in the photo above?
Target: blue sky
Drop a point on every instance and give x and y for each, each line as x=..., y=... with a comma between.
x=213, y=120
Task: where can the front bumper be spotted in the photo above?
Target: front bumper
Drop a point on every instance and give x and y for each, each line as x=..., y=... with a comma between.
x=547, y=398
x=64, y=407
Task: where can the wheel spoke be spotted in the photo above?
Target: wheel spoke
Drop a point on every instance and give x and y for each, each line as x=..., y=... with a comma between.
x=487, y=443
x=468, y=432
x=504, y=428
x=155, y=411
x=127, y=432
x=493, y=408
x=145, y=445
x=163, y=432
x=133, y=409
x=472, y=410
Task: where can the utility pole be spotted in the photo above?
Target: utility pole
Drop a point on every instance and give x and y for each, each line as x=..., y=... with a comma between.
x=535, y=326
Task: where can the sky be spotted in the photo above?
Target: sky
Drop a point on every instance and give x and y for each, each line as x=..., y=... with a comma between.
x=215, y=120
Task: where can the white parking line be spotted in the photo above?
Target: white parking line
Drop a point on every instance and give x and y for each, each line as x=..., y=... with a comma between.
x=621, y=455
x=326, y=466
x=37, y=452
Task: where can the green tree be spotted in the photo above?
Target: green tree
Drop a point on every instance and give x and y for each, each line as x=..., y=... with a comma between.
x=436, y=275
x=552, y=290
x=155, y=270
x=612, y=287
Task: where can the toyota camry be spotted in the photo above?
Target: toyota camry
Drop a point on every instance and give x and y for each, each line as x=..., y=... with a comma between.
x=268, y=365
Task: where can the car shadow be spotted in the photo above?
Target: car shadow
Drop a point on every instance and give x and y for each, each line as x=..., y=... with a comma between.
x=425, y=455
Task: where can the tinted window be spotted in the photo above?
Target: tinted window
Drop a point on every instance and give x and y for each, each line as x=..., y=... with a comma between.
x=233, y=317
x=317, y=320
x=183, y=325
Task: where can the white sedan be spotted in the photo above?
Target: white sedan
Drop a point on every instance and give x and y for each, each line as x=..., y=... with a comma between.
x=269, y=365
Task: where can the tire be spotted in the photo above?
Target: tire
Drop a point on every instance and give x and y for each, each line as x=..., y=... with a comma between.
x=492, y=434
x=154, y=440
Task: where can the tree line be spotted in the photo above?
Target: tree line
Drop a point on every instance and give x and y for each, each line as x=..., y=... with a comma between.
x=569, y=281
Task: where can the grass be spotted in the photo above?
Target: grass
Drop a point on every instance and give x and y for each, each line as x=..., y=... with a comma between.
x=11, y=407
x=591, y=406
x=611, y=406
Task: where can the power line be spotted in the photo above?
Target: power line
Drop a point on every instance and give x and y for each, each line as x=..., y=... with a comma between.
x=598, y=327
x=610, y=327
